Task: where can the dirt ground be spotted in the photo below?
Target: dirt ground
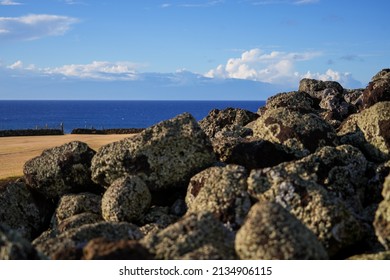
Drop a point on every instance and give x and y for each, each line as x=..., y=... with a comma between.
x=15, y=151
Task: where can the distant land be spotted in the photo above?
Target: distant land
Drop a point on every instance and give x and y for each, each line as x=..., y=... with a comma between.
x=181, y=85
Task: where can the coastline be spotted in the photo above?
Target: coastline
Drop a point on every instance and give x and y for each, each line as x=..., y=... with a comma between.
x=15, y=151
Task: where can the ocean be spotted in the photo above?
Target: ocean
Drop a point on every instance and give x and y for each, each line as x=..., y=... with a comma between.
x=105, y=114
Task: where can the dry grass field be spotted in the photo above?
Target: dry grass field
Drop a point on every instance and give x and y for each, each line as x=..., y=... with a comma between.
x=15, y=151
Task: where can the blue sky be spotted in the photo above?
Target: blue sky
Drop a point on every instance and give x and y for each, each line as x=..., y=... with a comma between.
x=191, y=43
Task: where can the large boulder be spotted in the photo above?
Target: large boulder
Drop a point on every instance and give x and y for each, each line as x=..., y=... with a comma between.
x=295, y=100
x=378, y=89
x=14, y=247
x=302, y=133
x=228, y=119
x=60, y=170
x=165, y=155
x=382, y=216
x=319, y=89
x=221, y=191
x=369, y=130
x=324, y=190
x=270, y=232
x=20, y=211
x=126, y=200
x=190, y=235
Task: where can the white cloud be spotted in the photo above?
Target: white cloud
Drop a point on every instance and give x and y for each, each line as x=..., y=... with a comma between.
x=17, y=65
x=34, y=26
x=9, y=3
x=274, y=2
x=304, y=2
x=276, y=68
x=97, y=70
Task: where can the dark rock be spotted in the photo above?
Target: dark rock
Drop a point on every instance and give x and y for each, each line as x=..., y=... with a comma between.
x=378, y=89
x=69, y=244
x=302, y=133
x=20, y=210
x=158, y=215
x=221, y=191
x=382, y=216
x=77, y=221
x=271, y=233
x=126, y=200
x=190, y=234
x=177, y=144
x=102, y=249
x=324, y=190
x=14, y=247
x=369, y=130
x=60, y=170
x=318, y=89
x=179, y=207
x=229, y=119
x=295, y=101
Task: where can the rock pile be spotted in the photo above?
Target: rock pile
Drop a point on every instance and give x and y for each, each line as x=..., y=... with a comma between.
x=306, y=177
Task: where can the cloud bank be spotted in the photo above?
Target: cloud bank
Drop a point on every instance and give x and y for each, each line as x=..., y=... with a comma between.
x=9, y=3
x=34, y=26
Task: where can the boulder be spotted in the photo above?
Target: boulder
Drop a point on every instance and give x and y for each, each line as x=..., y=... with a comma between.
x=319, y=89
x=20, y=211
x=302, y=133
x=126, y=200
x=221, y=191
x=190, y=234
x=77, y=221
x=271, y=233
x=69, y=244
x=14, y=247
x=369, y=130
x=229, y=119
x=158, y=215
x=178, y=145
x=298, y=101
x=382, y=216
x=384, y=256
x=60, y=170
x=324, y=190
x=73, y=204
x=378, y=89
x=102, y=249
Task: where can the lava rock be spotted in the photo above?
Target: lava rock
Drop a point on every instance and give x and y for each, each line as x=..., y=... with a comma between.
x=60, y=170
x=102, y=249
x=319, y=89
x=378, y=89
x=188, y=235
x=77, y=221
x=165, y=155
x=369, y=130
x=298, y=101
x=270, y=232
x=221, y=191
x=14, y=247
x=126, y=200
x=19, y=210
x=382, y=216
x=302, y=133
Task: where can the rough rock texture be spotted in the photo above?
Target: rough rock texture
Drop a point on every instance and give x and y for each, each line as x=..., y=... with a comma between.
x=190, y=234
x=158, y=215
x=69, y=244
x=19, y=210
x=270, y=232
x=177, y=144
x=102, y=249
x=319, y=89
x=369, y=130
x=250, y=153
x=126, y=200
x=378, y=89
x=78, y=220
x=294, y=100
x=302, y=133
x=60, y=170
x=382, y=216
x=221, y=191
x=229, y=119
x=377, y=256
x=14, y=247
x=73, y=204
x=324, y=190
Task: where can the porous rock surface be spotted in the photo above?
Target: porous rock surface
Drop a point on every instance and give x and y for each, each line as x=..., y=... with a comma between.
x=126, y=200
x=163, y=156
x=378, y=89
x=270, y=232
x=221, y=191
x=60, y=170
x=382, y=216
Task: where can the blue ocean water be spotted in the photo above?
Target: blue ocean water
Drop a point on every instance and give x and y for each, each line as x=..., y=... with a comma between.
x=105, y=114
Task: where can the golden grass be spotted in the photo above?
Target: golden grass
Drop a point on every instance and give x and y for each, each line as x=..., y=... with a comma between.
x=15, y=151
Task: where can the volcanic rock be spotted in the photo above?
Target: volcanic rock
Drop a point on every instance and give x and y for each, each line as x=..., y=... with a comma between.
x=378, y=89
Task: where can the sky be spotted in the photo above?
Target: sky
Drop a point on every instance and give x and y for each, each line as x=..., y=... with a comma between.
x=189, y=49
